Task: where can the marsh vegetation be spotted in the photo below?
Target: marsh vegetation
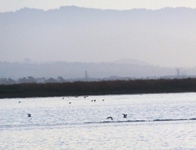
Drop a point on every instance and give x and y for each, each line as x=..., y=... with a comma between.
x=98, y=88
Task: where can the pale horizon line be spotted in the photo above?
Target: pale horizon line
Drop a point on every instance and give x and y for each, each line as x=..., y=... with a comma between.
x=96, y=8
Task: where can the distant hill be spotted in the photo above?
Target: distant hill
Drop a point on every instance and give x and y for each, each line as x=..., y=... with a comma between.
x=164, y=37
x=76, y=70
x=131, y=62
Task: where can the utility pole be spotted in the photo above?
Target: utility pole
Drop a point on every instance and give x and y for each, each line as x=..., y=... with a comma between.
x=178, y=72
x=86, y=76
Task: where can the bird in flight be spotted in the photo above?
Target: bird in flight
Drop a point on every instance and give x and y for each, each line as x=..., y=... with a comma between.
x=109, y=118
x=124, y=115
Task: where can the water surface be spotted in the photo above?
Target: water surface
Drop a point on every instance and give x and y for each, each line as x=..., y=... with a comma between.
x=80, y=122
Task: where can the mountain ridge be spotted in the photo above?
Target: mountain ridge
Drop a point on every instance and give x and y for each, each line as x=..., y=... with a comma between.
x=95, y=35
x=73, y=6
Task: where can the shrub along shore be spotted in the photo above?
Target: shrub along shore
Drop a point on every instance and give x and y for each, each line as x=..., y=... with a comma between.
x=98, y=88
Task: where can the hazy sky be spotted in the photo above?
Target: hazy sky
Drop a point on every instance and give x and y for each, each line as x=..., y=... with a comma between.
x=12, y=5
x=142, y=39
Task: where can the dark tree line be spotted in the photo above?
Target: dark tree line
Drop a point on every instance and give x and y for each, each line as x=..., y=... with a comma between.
x=98, y=88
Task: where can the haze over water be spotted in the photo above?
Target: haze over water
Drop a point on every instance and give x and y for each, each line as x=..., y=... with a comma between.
x=42, y=31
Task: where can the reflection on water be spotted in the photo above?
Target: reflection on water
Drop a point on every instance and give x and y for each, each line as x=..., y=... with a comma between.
x=57, y=124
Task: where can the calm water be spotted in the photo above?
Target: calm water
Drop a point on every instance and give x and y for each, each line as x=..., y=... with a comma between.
x=79, y=123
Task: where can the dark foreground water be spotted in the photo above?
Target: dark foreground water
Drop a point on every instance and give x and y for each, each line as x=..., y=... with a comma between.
x=154, y=121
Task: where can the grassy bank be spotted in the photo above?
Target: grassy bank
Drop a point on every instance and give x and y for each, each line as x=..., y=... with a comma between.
x=98, y=88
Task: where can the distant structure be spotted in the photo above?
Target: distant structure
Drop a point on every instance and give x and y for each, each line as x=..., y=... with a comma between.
x=185, y=73
x=86, y=76
x=29, y=115
x=178, y=72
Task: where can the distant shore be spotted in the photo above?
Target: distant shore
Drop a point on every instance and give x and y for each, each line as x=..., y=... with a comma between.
x=98, y=88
